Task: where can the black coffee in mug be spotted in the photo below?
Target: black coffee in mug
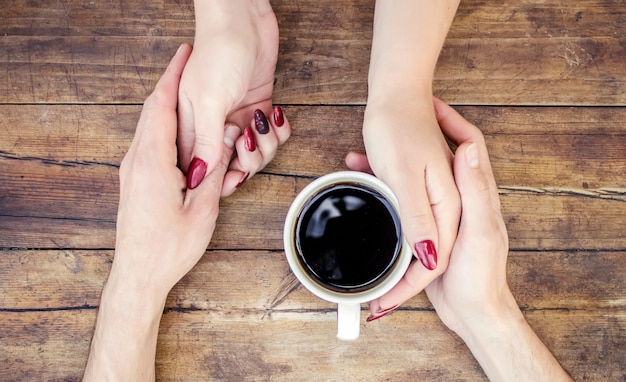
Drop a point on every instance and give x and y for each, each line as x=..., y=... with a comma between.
x=348, y=237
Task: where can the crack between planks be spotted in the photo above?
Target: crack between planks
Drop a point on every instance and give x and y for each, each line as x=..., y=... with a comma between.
x=607, y=193
x=269, y=311
x=10, y=156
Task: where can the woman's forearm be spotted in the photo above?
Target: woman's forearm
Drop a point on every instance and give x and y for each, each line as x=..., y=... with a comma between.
x=509, y=350
x=408, y=36
x=221, y=15
x=124, y=343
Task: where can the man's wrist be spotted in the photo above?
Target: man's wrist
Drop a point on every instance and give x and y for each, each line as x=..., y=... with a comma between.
x=495, y=318
x=507, y=348
x=493, y=332
x=124, y=289
x=139, y=310
x=124, y=341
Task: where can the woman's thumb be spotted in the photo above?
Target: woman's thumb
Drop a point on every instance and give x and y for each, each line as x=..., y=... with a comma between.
x=208, y=147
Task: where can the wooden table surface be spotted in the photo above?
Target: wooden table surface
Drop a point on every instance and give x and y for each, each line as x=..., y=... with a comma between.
x=544, y=80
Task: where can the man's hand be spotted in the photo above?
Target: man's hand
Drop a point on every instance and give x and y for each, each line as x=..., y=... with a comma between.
x=162, y=231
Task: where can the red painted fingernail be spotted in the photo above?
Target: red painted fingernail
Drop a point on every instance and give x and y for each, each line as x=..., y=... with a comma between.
x=196, y=173
x=260, y=121
x=243, y=179
x=279, y=118
x=380, y=313
x=427, y=254
x=248, y=137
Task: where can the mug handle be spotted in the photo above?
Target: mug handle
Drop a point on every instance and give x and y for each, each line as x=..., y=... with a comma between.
x=348, y=321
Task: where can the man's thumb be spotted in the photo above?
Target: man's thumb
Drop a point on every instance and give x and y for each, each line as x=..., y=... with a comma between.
x=471, y=181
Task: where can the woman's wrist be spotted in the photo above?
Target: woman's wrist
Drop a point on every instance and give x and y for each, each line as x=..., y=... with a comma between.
x=414, y=95
x=406, y=42
x=396, y=110
x=220, y=15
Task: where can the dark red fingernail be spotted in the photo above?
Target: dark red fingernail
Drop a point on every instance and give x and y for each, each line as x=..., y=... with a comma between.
x=260, y=121
x=243, y=179
x=380, y=313
x=248, y=137
x=279, y=118
x=427, y=254
x=196, y=173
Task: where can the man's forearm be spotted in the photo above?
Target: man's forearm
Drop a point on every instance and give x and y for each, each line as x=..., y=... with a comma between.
x=509, y=350
x=408, y=36
x=124, y=343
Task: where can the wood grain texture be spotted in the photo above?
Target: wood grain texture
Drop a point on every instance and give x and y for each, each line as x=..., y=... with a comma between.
x=59, y=181
x=260, y=281
x=47, y=316
x=543, y=80
x=76, y=209
x=560, y=147
x=510, y=53
x=200, y=345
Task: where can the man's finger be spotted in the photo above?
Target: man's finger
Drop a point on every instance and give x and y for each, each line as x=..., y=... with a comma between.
x=453, y=125
x=156, y=129
x=358, y=162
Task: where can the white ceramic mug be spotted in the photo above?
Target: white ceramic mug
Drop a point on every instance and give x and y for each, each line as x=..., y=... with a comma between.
x=349, y=302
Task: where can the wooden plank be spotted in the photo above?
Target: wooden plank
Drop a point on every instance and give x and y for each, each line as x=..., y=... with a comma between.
x=75, y=207
x=200, y=345
x=561, y=173
x=542, y=148
x=130, y=18
x=260, y=282
x=256, y=326
x=545, y=55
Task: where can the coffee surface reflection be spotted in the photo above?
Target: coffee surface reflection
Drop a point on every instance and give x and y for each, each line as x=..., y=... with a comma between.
x=348, y=237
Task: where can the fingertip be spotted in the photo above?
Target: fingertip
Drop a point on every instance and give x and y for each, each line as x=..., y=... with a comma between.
x=249, y=140
x=374, y=306
x=470, y=179
x=279, y=117
x=471, y=156
x=260, y=122
x=358, y=162
x=466, y=158
x=427, y=254
x=179, y=60
x=197, y=172
x=231, y=133
x=183, y=48
x=349, y=160
x=233, y=180
x=282, y=127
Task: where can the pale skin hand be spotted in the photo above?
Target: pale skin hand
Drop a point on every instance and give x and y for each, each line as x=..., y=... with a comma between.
x=404, y=144
x=472, y=297
x=162, y=231
x=229, y=75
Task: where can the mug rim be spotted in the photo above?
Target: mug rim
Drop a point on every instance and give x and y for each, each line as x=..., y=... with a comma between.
x=394, y=275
